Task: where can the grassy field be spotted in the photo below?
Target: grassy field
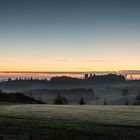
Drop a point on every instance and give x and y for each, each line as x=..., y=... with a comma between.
x=71, y=122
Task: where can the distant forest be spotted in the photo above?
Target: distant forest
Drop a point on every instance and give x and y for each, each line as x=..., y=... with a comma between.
x=88, y=79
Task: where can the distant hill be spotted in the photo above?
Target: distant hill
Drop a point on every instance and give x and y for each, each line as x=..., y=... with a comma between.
x=18, y=98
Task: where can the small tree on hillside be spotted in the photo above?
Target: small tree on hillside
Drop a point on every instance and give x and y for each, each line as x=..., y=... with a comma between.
x=125, y=93
x=137, y=102
x=59, y=100
x=105, y=102
x=97, y=99
x=82, y=101
x=126, y=102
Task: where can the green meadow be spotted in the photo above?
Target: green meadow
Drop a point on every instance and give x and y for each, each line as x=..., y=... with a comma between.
x=71, y=122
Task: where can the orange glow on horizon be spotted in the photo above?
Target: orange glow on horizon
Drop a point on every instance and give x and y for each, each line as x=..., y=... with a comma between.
x=48, y=75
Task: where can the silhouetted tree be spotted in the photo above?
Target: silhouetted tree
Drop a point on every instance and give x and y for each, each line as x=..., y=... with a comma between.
x=59, y=100
x=9, y=79
x=138, y=96
x=91, y=75
x=125, y=93
x=105, y=102
x=97, y=99
x=126, y=102
x=82, y=101
x=40, y=100
x=137, y=102
x=85, y=76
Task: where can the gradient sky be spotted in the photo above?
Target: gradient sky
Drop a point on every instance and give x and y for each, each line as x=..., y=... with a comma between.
x=69, y=35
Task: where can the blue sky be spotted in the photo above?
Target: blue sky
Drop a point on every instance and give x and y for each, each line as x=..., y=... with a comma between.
x=69, y=35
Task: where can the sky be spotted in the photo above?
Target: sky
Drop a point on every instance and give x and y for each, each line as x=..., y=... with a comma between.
x=69, y=35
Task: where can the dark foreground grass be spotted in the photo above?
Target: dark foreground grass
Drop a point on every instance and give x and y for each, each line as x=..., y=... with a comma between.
x=46, y=122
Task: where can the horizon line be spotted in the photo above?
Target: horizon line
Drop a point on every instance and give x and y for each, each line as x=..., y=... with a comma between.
x=115, y=72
